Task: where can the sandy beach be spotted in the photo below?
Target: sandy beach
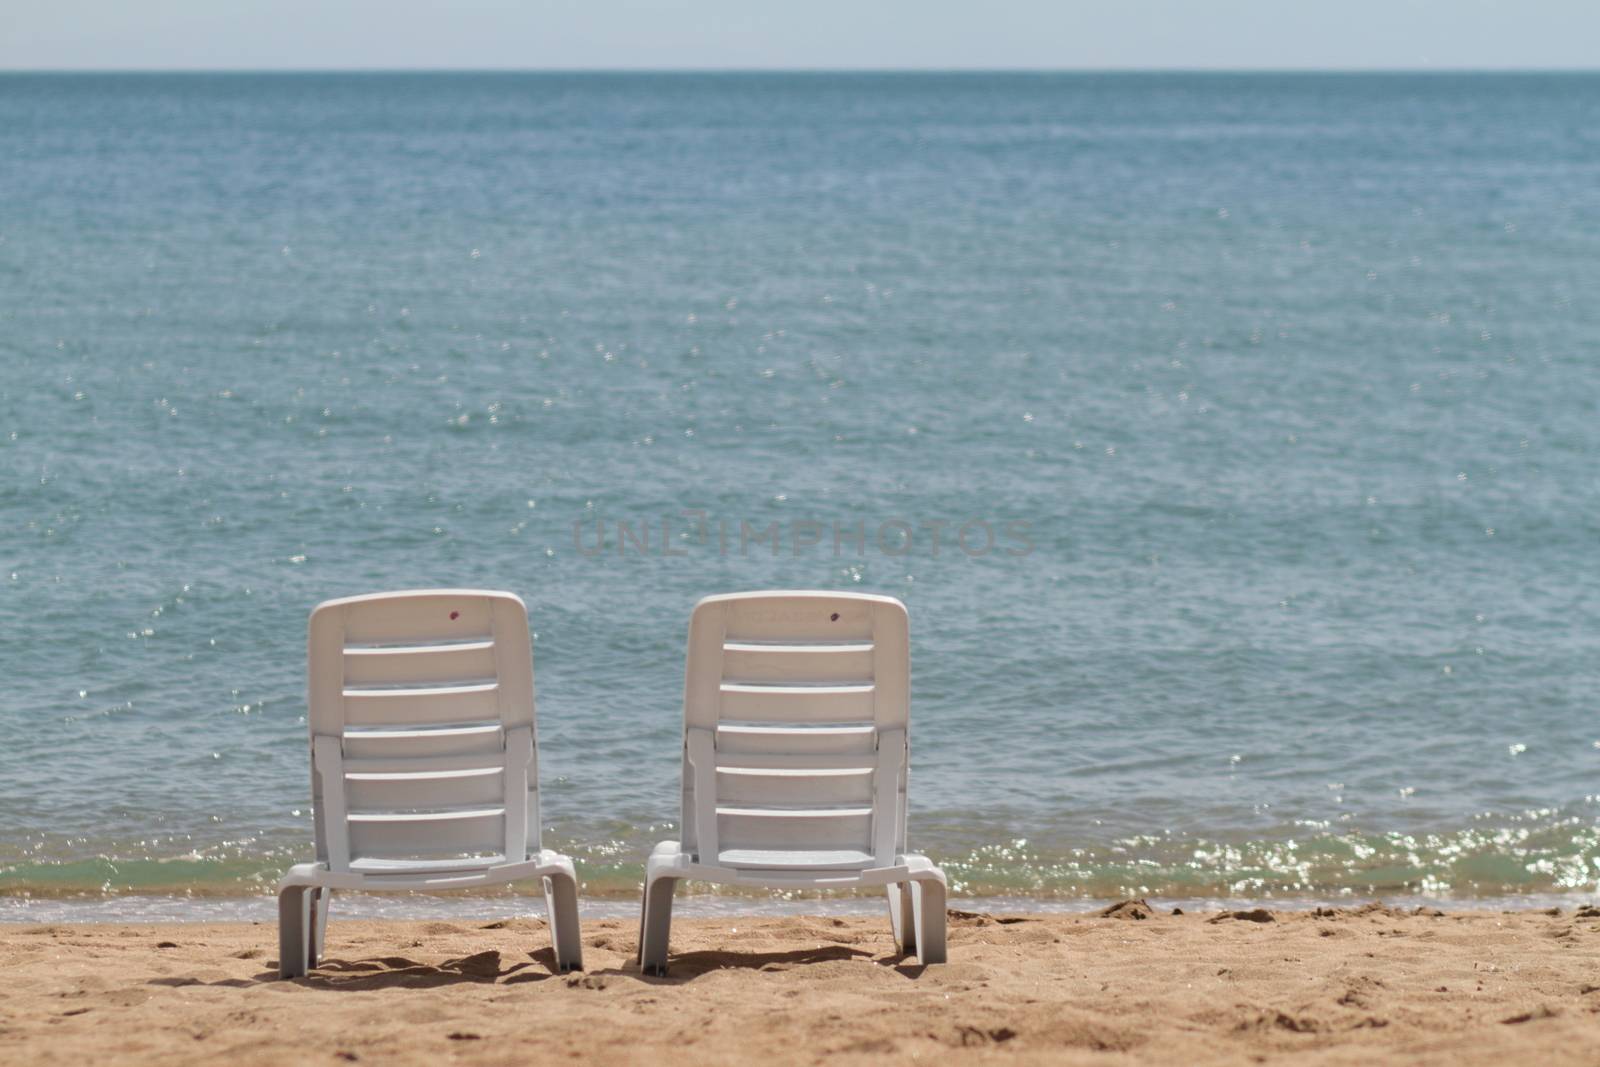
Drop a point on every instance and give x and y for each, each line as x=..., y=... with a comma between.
x=1135, y=984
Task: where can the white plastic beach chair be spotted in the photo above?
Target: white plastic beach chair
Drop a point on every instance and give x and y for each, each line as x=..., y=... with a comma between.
x=795, y=707
x=424, y=767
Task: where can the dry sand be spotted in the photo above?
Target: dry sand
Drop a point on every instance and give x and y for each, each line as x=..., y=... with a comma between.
x=1344, y=986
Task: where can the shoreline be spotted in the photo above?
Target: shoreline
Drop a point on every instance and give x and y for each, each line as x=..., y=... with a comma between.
x=1345, y=984
x=135, y=908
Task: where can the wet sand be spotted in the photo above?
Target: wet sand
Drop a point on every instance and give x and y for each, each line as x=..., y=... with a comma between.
x=1137, y=985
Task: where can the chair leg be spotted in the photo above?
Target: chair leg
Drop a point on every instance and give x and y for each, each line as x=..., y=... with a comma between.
x=294, y=931
x=566, y=937
x=927, y=908
x=901, y=920
x=317, y=932
x=655, y=925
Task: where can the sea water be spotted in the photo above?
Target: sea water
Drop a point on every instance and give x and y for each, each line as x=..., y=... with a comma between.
x=1231, y=439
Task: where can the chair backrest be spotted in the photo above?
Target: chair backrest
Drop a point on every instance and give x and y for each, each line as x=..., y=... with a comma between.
x=422, y=730
x=795, y=710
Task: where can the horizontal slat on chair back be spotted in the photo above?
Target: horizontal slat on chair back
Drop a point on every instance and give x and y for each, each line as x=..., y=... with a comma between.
x=737, y=738
x=851, y=702
x=766, y=828
x=466, y=832
x=430, y=706
x=425, y=790
x=455, y=662
x=806, y=787
x=460, y=740
x=815, y=663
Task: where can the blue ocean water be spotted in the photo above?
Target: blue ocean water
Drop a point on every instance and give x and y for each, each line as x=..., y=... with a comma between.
x=1276, y=394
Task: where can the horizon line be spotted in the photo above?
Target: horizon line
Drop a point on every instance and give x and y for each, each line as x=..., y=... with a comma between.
x=1424, y=70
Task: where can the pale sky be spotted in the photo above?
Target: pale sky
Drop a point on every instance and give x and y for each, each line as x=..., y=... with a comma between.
x=797, y=34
